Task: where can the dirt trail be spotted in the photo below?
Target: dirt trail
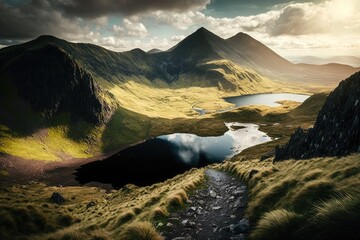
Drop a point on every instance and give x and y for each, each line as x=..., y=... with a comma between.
x=215, y=211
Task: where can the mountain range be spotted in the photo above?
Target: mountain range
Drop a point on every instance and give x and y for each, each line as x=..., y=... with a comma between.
x=347, y=60
x=45, y=78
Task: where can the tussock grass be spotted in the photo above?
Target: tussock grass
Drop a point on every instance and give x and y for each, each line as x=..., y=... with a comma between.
x=311, y=192
x=278, y=224
x=27, y=211
x=140, y=231
x=313, y=174
x=338, y=218
x=159, y=213
x=311, y=199
x=176, y=200
x=124, y=218
x=78, y=234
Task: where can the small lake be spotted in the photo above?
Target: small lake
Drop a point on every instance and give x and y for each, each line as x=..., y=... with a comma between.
x=267, y=99
x=166, y=156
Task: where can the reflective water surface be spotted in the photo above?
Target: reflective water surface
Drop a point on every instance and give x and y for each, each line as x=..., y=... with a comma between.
x=268, y=99
x=166, y=156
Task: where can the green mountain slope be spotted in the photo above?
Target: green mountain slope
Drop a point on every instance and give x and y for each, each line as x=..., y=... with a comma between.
x=73, y=91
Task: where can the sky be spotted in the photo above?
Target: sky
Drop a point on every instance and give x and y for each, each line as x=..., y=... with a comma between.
x=320, y=28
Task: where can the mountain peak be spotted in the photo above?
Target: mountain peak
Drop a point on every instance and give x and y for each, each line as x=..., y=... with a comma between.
x=47, y=37
x=202, y=30
x=204, y=33
x=241, y=36
x=202, y=42
x=154, y=50
x=44, y=40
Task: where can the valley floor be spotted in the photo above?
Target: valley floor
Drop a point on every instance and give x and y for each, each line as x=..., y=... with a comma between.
x=289, y=197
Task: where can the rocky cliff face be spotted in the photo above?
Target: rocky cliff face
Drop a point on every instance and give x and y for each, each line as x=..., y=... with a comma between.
x=52, y=82
x=337, y=128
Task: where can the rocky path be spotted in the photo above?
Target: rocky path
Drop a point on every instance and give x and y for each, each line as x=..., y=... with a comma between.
x=215, y=211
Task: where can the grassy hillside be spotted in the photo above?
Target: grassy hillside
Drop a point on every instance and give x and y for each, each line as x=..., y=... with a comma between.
x=127, y=94
x=163, y=113
x=27, y=212
x=313, y=199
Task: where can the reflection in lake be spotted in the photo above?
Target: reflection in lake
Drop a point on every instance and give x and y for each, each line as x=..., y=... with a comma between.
x=165, y=156
x=191, y=147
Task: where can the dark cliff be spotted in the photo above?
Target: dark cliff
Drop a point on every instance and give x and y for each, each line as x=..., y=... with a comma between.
x=52, y=82
x=337, y=128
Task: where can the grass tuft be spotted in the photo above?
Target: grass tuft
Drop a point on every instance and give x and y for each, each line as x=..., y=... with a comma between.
x=338, y=218
x=124, y=218
x=313, y=192
x=279, y=224
x=159, y=213
x=176, y=200
x=312, y=174
x=141, y=231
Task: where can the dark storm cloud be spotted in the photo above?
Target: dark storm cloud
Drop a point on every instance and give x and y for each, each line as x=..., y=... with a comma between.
x=30, y=19
x=98, y=8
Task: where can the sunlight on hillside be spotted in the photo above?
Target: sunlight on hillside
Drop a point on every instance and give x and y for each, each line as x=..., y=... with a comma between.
x=49, y=144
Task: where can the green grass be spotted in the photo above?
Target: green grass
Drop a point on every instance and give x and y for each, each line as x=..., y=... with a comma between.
x=49, y=144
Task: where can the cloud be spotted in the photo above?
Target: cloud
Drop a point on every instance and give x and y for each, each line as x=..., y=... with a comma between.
x=33, y=18
x=97, y=8
x=181, y=21
x=295, y=19
x=130, y=29
x=177, y=38
x=299, y=19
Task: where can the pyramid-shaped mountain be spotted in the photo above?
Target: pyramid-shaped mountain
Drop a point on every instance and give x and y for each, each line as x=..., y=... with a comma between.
x=239, y=64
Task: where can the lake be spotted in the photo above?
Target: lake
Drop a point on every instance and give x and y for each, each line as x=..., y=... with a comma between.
x=267, y=99
x=165, y=156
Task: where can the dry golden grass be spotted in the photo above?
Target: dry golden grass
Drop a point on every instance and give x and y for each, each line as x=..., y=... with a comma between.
x=140, y=231
x=289, y=198
x=27, y=211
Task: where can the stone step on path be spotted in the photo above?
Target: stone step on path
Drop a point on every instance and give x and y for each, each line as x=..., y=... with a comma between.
x=215, y=211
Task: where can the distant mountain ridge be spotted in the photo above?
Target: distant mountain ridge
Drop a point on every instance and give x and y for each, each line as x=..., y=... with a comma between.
x=201, y=59
x=82, y=92
x=347, y=60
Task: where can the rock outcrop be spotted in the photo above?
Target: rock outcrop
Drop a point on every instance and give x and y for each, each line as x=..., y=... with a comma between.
x=337, y=128
x=52, y=82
